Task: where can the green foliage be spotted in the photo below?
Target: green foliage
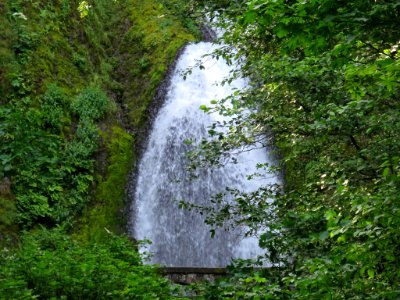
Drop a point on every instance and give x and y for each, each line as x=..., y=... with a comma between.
x=51, y=176
x=243, y=282
x=60, y=64
x=325, y=82
x=91, y=104
x=50, y=265
x=57, y=59
x=54, y=105
x=8, y=212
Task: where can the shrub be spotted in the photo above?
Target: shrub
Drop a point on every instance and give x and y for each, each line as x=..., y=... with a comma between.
x=91, y=104
x=53, y=104
x=49, y=264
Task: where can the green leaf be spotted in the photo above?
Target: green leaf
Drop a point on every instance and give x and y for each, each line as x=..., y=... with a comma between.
x=212, y=231
x=250, y=17
x=204, y=108
x=386, y=172
x=281, y=32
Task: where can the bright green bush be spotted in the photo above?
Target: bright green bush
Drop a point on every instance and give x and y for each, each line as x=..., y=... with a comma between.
x=49, y=264
x=54, y=108
x=51, y=176
x=87, y=133
x=90, y=104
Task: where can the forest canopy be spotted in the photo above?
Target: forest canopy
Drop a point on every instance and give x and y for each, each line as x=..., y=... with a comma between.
x=325, y=83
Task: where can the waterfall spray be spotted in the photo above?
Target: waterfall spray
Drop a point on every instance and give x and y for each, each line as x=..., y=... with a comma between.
x=180, y=237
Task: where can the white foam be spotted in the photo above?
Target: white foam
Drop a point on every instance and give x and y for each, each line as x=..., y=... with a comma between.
x=180, y=237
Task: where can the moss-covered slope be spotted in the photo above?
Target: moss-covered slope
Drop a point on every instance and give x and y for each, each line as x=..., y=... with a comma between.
x=76, y=79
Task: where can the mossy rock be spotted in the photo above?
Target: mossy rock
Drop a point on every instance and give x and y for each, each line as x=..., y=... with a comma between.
x=106, y=211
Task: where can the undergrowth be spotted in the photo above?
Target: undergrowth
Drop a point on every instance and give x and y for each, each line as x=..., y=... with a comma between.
x=76, y=81
x=77, y=78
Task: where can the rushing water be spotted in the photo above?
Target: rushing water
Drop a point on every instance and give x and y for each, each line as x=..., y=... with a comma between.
x=180, y=237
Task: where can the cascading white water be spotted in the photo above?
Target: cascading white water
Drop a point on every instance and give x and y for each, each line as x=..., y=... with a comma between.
x=180, y=237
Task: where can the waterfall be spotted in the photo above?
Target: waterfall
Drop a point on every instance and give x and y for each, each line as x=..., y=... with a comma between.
x=180, y=237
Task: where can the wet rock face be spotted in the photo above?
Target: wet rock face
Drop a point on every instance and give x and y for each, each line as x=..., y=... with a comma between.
x=208, y=35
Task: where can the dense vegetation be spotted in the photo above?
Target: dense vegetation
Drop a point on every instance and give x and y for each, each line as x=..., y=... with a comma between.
x=65, y=68
x=325, y=82
x=76, y=80
x=51, y=265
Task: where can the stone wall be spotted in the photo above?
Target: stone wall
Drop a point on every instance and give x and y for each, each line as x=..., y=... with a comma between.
x=190, y=275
